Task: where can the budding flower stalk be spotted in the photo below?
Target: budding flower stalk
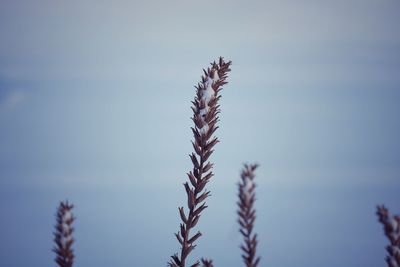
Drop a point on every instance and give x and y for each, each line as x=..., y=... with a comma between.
x=63, y=235
x=247, y=215
x=207, y=263
x=205, y=117
x=391, y=227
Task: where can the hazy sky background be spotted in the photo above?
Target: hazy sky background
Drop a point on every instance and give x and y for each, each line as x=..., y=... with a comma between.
x=95, y=108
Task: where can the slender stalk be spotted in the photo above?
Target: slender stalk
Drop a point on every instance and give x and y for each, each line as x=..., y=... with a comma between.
x=207, y=263
x=247, y=215
x=205, y=117
x=63, y=235
x=391, y=227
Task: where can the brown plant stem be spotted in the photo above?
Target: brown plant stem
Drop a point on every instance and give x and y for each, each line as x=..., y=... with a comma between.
x=205, y=117
x=391, y=227
x=247, y=215
x=207, y=263
x=63, y=235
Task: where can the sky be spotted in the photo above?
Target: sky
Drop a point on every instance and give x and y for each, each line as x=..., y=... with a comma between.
x=95, y=108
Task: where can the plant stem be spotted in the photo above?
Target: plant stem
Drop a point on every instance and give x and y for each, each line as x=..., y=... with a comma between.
x=247, y=215
x=205, y=117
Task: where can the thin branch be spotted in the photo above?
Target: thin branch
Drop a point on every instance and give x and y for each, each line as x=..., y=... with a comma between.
x=207, y=263
x=63, y=235
x=206, y=109
x=247, y=215
x=391, y=227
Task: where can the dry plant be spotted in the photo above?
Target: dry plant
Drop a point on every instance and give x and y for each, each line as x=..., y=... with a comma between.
x=205, y=117
x=207, y=263
x=63, y=235
x=247, y=215
x=391, y=227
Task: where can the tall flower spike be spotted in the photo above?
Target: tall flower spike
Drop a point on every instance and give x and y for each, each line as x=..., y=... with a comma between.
x=63, y=235
x=391, y=227
x=247, y=215
x=205, y=117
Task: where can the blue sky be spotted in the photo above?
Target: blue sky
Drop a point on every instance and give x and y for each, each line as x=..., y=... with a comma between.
x=95, y=108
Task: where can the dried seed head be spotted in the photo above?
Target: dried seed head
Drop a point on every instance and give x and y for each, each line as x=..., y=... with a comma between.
x=63, y=235
x=391, y=227
x=207, y=263
x=247, y=215
x=205, y=116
